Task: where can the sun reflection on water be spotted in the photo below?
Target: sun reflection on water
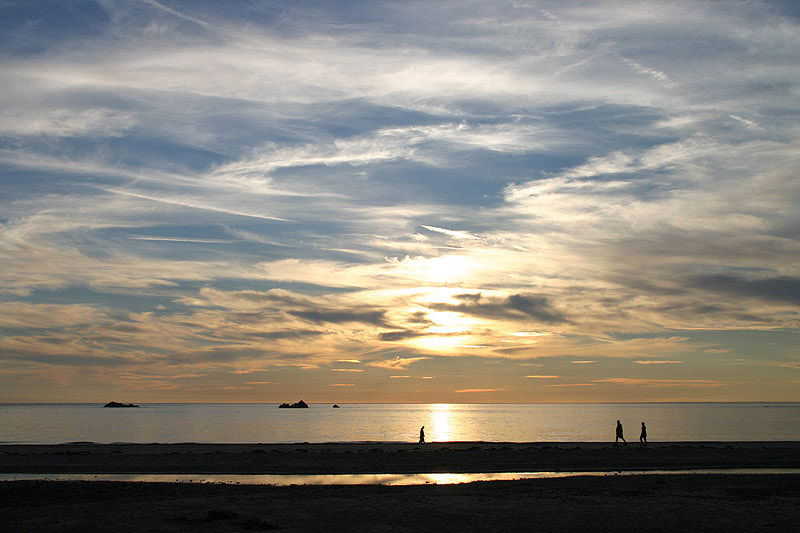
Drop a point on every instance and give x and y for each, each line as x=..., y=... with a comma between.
x=441, y=415
x=373, y=479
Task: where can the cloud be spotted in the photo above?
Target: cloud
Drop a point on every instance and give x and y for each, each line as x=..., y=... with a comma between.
x=655, y=74
x=461, y=391
x=286, y=334
x=375, y=318
x=178, y=13
x=252, y=299
x=451, y=233
x=515, y=307
x=748, y=123
x=205, y=191
x=782, y=289
x=795, y=366
x=662, y=382
x=65, y=122
x=397, y=363
x=179, y=239
x=390, y=336
x=198, y=204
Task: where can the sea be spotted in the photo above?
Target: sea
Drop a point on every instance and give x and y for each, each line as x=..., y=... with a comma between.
x=322, y=423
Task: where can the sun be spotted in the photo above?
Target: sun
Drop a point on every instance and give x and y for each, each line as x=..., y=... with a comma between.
x=439, y=343
x=448, y=332
x=447, y=270
x=447, y=322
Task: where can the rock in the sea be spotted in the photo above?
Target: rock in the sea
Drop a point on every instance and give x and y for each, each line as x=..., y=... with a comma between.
x=299, y=405
x=117, y=404
x=336, y=406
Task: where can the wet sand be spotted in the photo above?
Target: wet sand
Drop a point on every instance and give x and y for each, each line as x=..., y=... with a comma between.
x=380, y=458
x=714, y=502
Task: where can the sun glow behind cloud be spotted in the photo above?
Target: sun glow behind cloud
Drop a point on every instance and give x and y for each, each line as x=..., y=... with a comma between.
x=285, y=196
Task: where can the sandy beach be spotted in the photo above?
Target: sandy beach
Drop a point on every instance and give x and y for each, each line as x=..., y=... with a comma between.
x=712, y=502
x=378, y=458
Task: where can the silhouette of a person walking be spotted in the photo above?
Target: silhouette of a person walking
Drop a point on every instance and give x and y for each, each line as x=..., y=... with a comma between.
x=643, y=435
x=619, y=434
x=422, y=435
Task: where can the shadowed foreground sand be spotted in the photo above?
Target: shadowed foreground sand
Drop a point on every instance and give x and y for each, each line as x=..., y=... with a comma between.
x=670, y=502
x=628, y=503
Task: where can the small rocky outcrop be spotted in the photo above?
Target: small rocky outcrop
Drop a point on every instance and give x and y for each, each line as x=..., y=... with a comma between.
x=336, y=406
x=117, y=404
x=299, y=405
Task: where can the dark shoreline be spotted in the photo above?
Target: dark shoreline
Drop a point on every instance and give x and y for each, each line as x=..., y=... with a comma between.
x=380, y=458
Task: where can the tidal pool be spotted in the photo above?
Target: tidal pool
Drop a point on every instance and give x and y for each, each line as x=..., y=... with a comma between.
x=370, y=479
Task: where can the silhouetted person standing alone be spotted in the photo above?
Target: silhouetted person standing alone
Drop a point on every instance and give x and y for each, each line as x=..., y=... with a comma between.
x=422, y=435
x=619, y=434
x=643, y=435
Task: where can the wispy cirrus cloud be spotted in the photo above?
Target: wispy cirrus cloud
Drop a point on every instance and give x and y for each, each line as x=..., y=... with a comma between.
x=663, y=382
x=463, y=391
x=397, y=363
x=272, y=188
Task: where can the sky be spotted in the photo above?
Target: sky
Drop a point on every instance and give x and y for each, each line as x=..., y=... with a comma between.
x=399, y=201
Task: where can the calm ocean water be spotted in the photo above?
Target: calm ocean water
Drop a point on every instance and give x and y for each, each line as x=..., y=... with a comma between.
x=251, y=423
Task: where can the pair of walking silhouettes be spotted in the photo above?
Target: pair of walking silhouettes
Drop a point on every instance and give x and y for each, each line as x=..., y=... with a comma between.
x=620, y=436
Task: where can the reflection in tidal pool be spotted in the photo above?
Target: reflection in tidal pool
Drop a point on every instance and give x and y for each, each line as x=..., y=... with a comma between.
x=369, y=479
